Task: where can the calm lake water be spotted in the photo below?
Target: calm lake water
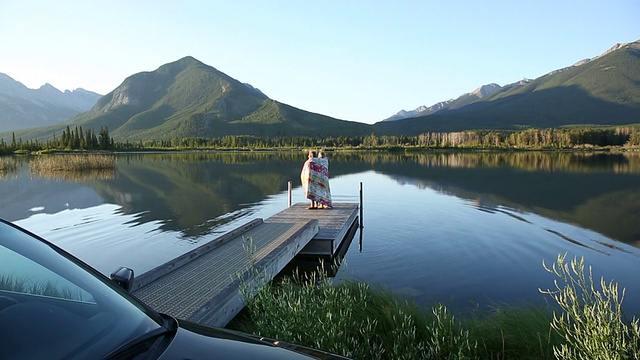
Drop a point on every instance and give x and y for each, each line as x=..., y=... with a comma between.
x=457, y=228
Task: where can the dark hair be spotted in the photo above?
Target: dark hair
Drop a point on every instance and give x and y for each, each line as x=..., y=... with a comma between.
x=313, y=153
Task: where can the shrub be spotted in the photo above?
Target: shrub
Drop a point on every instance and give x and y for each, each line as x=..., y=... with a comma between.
x=592, y=325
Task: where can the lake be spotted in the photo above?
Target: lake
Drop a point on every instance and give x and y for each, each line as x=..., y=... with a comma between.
x=460, y=228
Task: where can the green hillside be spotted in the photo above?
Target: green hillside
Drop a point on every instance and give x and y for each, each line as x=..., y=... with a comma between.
x=187, y=98
x=604, y=91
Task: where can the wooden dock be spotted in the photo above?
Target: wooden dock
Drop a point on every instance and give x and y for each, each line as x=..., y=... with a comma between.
x=204, y=285
x=333, y=225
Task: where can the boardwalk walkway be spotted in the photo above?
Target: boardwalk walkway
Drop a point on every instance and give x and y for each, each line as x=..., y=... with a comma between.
x=204, y=284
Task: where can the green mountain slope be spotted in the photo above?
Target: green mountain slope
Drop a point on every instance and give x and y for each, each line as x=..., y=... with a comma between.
x=603, y=91
x=187, y=98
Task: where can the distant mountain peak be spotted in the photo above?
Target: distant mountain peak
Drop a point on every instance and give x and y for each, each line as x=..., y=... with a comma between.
x=21, y=107
x=486, y=90
x=479, y=93
x=618, y=46
x=188, y=98
x=255, y=89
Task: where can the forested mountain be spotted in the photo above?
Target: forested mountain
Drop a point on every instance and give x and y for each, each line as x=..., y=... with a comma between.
x=21, y=107
x=187, y=98
x=600, y=91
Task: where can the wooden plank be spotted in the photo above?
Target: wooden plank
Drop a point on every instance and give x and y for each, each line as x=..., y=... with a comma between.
x=159, y=271
x=227, y=304
x=205, y=288
x=333, y=225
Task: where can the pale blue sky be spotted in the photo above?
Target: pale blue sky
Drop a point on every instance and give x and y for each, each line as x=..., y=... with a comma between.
x=352, y=60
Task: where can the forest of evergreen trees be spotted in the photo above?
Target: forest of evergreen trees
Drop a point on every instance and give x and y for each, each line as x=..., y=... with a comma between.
x=531, y=139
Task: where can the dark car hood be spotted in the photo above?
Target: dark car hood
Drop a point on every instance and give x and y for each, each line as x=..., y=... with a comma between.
x=193, y=341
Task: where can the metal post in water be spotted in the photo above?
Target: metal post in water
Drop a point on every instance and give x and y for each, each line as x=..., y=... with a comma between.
x=289, y=192
x=361, y=220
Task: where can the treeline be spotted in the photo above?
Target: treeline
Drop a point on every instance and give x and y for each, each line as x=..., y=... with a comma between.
x=70, y=139
x=534, y=138
x=474, y=139
x=576, y=138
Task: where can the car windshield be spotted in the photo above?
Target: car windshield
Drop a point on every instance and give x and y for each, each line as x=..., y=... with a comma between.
x=53, y=307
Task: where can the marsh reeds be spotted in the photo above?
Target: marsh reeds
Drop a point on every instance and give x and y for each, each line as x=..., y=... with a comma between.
x=74, y=167
x=354, y=320
x=8, y=166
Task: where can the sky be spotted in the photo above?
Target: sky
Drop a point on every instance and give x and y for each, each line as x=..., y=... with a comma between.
x=352, y=60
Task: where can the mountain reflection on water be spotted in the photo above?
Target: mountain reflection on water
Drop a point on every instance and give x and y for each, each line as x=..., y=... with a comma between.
x=196, y=192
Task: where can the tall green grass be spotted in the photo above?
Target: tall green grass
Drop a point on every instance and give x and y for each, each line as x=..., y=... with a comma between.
x=354, y=320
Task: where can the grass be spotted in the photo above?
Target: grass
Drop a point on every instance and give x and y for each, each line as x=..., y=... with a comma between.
x=72, y=162
x=7, y=164
x=74, y=167
x=354, y=320
x=7, y=167
x=513, y=332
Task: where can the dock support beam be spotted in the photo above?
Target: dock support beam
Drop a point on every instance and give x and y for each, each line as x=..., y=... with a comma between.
x=289, y=192
x=361, y=222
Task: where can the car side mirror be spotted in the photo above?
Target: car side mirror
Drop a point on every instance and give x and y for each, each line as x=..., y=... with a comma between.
x=123, y=277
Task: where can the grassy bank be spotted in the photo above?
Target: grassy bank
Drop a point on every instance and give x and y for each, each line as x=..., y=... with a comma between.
x=357, y=321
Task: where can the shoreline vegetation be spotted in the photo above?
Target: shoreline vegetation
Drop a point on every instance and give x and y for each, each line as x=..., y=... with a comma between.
x=72, y=163
x=354, y=320
x=74, y=167
x=620, y=138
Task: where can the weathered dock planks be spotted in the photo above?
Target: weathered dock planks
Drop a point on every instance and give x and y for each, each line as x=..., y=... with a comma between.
x=334, y=224
x=204, y=284
x=206, y=289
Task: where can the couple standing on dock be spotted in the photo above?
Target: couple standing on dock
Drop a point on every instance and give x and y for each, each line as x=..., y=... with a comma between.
x=315, y=181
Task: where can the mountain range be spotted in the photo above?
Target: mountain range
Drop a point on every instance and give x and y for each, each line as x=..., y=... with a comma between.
x=604, y=90
x=465, y=99
x=188, y=98
x=21, y=107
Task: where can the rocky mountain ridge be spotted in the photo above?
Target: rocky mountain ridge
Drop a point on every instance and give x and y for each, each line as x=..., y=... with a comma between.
x=490, y=89
x=21, y=107
x=603, y=91
x=464, y=99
